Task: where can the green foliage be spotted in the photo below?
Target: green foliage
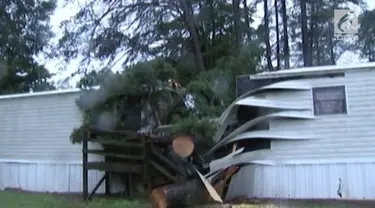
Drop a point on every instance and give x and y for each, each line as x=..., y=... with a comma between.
x=366, y=36
x=172, y=86
x=25, y=33
x=211, y=92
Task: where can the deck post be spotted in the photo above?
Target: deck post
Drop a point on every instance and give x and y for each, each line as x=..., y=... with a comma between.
x=107, y=183
x=84, y=165
x=146, y=164
x=107, y=180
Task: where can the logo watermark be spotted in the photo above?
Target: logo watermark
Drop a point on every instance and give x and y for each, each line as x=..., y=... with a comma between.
x=345, y=23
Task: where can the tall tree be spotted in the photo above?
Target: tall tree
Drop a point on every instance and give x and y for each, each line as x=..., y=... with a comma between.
x=25, y=34
x=267, y=36
x=237, y=23
x=366, y=36
x=247, y=12
x=192, y=28
x=305, y=34
x=277, y=35
x=285, y=35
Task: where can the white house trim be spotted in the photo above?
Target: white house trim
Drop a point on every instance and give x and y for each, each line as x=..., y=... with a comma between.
x=317, y=70
x=73, y=162
x=315, y=161
x=51, y=92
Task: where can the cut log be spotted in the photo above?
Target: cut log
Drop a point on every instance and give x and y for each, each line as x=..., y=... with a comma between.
x=182, y=194
x=189, y=193
x=183, y=146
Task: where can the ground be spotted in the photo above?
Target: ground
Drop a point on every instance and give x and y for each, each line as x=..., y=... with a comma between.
x=19, y=199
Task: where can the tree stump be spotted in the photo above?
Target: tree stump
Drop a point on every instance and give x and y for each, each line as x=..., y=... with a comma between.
x=183, y=146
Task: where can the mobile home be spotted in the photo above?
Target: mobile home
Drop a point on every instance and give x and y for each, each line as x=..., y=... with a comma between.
x=312, y=130
x=36, y=153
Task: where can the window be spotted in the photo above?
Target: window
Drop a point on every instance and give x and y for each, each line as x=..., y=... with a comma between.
x=329, y=100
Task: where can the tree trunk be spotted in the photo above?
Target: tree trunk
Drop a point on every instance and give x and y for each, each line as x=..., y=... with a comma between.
x=286, y=37
x=267, y=36
x=191, y=192
x=191, y=25
x=247, y=20
x=305, y=36
x=318, y=53
x=237, y=24
x=312, y=34
x=277, y=36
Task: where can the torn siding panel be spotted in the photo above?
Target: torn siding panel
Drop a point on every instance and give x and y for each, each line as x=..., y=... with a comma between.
x=278, y=104
x=251, y=123
x=237, y=107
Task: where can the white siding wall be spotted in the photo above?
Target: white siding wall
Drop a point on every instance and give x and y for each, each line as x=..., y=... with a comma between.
x=35, y=149
x=346, y=149
x=38, y=128
x=351, y=134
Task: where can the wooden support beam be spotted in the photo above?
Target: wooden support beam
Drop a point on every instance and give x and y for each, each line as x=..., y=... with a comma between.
x=126, y=133
x=96, y=187
x=84, y=165
x=146, y=166
x=118, y=155
x=107, y=183
x=115, y=167
x=160, y=139
x=119, y=143
x=130, y=184
x=107, y=180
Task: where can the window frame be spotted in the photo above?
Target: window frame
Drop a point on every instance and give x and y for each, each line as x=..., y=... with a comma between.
x=345, y=100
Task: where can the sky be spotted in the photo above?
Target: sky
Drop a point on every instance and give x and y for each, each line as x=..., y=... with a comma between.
x=64, y=12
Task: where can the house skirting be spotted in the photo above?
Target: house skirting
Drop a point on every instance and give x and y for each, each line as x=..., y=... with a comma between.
x=301, y=180
x=49, y=176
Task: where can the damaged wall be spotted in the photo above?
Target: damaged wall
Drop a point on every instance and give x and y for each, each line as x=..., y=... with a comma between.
x=312, y=168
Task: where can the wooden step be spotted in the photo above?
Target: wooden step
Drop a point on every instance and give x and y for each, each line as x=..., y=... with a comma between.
x=117, y=155
x=114, y=167
x=120, y=143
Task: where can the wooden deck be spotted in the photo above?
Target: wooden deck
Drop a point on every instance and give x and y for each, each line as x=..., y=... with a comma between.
x=132, y=154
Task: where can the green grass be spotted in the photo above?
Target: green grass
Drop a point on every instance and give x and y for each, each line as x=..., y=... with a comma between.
x=10, y=199
x=19, y=199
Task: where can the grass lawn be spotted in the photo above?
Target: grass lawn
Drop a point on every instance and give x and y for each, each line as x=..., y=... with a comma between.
x=12, y=199
x=19, y=199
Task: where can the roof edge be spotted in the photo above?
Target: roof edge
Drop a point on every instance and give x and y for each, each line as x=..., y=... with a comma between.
x=306, y=71
x=43, y=93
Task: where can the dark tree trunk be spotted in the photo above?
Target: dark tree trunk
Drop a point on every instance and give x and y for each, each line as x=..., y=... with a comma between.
x=277, y=36
x=237, y=23
x=305, y=36
x=267, y=36
x=312, y=35
x=191, y=25
x=247, y=20
x=286, y=37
